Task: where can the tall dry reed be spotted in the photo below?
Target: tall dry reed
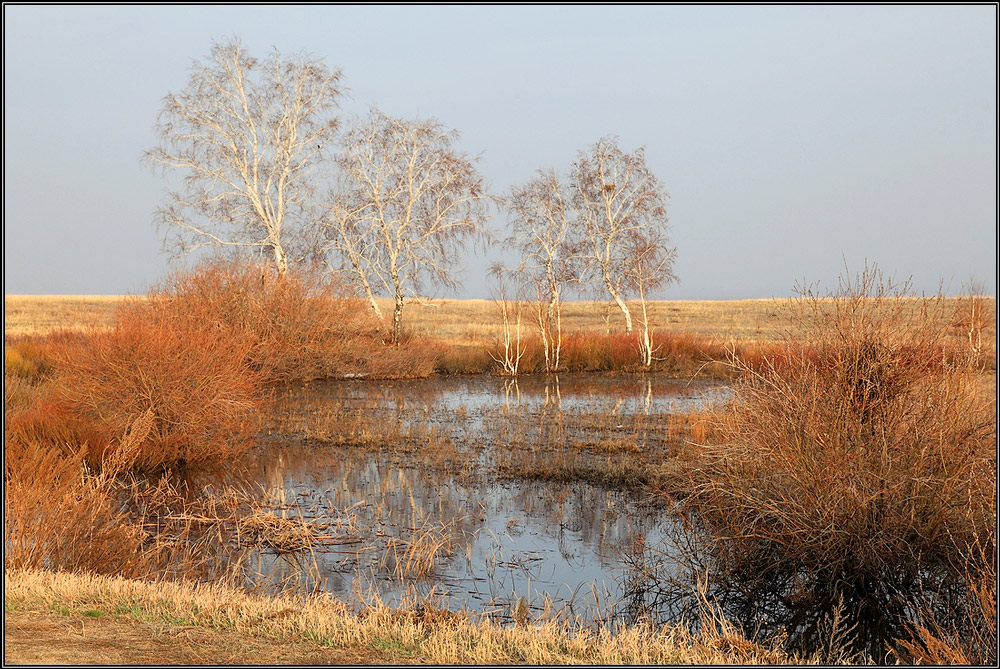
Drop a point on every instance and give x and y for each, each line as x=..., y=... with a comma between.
x=57, y=517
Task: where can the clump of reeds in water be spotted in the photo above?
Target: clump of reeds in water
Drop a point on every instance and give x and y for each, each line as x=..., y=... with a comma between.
x=417, y=556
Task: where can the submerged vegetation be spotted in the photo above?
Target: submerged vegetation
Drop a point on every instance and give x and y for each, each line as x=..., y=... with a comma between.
x=840, y=497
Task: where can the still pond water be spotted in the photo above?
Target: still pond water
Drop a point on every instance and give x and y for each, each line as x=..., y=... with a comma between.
x=431, y=515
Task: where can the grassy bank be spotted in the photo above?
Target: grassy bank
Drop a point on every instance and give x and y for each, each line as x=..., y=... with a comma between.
x=407, y=635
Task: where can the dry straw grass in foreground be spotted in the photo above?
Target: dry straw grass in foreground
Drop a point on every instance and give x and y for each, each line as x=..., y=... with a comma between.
x=422, y=634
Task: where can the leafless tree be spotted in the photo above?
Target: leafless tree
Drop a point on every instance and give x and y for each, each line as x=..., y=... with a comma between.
x=649, y=267
x=509, y=305
x=248, y=138
x=540, y=223
x=620, y=206
x=406, y=203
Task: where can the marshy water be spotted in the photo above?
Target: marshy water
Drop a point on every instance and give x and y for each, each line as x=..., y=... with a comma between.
x=520, y=500
x=439, y=488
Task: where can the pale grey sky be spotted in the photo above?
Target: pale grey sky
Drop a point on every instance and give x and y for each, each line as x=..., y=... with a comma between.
x=791, y=139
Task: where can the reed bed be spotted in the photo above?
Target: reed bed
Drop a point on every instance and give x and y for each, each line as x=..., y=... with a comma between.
x=60, y=515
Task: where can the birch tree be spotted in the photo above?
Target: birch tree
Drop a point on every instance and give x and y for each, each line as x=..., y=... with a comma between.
x=406, y=203
x=248, y=139
x=540, y=224
x=618, y=202
x=649, y=267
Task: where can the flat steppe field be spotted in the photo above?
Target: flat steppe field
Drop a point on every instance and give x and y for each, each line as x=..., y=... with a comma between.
x=457, y=320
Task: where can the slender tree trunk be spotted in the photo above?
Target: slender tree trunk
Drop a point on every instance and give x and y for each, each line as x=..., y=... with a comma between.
x=621, y=305
x=544, y=326
x=397, y=320
x=280, y=259
x=606, y=275
x=646, y=342
x=356, y=263
x=371, y=299
x=555, y=316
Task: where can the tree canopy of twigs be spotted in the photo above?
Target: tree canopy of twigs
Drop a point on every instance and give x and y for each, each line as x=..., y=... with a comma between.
x=621, y=216
x=248, y=139
x=406, y=202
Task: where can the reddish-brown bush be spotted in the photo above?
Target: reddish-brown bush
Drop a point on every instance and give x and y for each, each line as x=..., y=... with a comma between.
x=55, y=425
x=191, y=376
x=862, y=468
x=299, y=326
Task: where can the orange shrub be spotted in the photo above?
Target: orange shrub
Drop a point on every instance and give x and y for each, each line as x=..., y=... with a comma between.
x=299, y=326
x=192, y=377
x=55, y=425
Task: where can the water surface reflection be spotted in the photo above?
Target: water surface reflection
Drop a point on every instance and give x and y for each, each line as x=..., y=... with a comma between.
x=416, y=480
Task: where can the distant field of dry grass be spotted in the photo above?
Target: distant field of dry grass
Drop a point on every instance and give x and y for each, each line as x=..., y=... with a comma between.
x=41, y=314
x=479, y=319
x=467, y=320
x=474, y=323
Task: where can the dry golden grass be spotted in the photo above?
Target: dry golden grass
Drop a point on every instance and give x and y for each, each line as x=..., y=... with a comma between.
x=41, y=314
x=472, y=321
x=478, y=320
x=423, y=634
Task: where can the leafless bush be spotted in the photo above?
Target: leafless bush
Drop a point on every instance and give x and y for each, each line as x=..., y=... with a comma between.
x=300, y=326
x=859, y=468
x=191, y=376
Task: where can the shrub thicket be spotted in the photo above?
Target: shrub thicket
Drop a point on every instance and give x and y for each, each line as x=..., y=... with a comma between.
x=857, y=471
x=191, y=376
x=297, y=326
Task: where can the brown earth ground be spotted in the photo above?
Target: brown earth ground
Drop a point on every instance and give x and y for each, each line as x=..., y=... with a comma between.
x=47, y=637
